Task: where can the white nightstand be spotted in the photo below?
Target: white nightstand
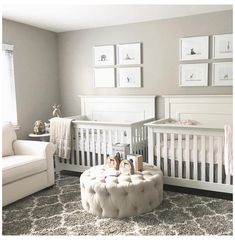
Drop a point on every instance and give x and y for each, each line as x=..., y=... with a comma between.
x=41, y=137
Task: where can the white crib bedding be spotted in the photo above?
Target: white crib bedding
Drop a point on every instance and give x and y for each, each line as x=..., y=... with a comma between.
x=207, y=159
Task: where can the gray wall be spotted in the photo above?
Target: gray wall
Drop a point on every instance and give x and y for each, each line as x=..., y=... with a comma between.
x=160, y=56
x=35, y=62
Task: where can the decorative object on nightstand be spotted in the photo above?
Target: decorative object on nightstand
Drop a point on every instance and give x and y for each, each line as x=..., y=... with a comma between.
x=56, y=112
x=39, y=127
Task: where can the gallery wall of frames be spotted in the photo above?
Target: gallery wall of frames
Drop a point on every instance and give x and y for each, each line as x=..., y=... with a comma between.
x=196, y=58
x=118, y=66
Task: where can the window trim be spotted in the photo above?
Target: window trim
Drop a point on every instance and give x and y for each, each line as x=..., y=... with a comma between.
x=10, y=47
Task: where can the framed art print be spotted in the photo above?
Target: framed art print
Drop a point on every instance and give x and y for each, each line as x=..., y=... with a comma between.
x=223, y=46
x=104, y=77
x=223, y=74
x=104, y=55
x=193, y=75
x=129, y=54
x=194, y=48
x=129, y=77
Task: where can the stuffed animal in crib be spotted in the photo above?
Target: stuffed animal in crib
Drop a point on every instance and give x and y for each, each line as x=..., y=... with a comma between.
x=126, y=167
x=113, y=161
x=39, y=127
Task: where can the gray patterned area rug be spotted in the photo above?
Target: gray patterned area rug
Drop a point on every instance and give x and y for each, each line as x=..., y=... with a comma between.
x=58, y=211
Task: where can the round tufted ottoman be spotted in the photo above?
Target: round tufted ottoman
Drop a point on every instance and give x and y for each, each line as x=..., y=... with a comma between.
x=122, y=196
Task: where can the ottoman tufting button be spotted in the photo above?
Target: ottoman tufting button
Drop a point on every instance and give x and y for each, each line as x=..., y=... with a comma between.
x=142, y=190
x=125, y=193
x=150, y=202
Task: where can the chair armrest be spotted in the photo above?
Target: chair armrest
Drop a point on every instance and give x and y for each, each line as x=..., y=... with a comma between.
x=26, y=147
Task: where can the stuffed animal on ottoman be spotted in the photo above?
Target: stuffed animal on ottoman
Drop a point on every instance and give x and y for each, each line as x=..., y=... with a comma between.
x=113, y=161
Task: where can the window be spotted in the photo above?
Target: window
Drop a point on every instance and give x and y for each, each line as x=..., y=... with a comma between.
x=9, y=112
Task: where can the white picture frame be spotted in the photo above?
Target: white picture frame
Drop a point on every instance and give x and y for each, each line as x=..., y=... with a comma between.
x=104, y=56
x=193, y=75
x=222, y=74
x=194, y=48
x=129, y=77
x=104, y=77
x=129, y=54
x=223, y=46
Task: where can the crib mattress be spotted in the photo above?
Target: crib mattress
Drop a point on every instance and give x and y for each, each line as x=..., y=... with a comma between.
x=199, y=157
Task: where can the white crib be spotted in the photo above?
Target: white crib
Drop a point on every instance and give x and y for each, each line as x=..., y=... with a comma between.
x=108, y=120
x=192, y=155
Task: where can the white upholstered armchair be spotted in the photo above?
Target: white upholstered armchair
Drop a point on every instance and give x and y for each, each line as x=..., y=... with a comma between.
x=27, y=166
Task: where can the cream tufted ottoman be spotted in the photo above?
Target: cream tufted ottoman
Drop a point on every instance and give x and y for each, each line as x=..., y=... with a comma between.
x=122, y=196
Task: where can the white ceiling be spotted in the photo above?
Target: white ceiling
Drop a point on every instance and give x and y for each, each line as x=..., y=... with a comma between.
x=61, y=18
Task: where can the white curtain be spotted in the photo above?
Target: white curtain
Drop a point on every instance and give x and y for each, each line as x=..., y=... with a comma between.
x=9, y=112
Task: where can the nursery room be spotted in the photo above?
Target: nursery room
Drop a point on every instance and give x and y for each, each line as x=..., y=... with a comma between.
x=117, y=120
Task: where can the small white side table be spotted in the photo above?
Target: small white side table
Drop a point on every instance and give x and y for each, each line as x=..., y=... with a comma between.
x=41, y=137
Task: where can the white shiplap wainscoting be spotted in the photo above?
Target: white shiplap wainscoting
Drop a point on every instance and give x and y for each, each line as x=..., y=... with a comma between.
x=192, y=155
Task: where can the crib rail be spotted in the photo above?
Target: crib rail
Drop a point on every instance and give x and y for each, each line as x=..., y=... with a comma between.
x=189, y=156
x=92, y=142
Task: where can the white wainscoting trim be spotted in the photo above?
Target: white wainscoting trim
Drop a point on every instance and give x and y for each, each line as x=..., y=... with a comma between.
x=212, y=110
x=118, y=108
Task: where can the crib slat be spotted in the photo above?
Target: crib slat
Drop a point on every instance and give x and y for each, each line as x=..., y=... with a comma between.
x=227, y=179
x=220, y=159
x=88, y=147
x=122, y=136
x=195, y=157
x=98, y=149
x=141, y=133
x=77, y=147
x=116, y=136
x=211, y=158
x=110, y=142
x=172, y=154
x=105, y=145
x=187, y=160
x=93, y=144
x=165, y=154
x=151, y=147
x=158, y=143
x=180, y=155
x=203, y=158
x=82, y=146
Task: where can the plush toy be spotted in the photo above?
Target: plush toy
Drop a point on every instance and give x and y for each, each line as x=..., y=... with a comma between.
x=39, y=127
x=113, y=161
x=56, y=112
x=126, y=166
